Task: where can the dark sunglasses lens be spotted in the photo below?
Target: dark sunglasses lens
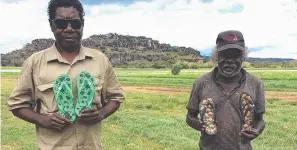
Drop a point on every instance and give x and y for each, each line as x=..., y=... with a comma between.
x=61, y=24
x=75, y=24
x=230, y=54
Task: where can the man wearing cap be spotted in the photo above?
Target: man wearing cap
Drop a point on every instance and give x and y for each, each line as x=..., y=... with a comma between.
x=227, y=104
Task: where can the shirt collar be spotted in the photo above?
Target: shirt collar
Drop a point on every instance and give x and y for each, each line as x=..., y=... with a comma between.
x=52, y=53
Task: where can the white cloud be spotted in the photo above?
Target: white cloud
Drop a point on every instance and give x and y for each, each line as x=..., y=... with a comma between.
x=287, y=49
x=21, y=22
x=188, y=23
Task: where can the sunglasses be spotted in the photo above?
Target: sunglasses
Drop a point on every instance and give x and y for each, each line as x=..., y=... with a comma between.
x=230, y=54
x=63, y=24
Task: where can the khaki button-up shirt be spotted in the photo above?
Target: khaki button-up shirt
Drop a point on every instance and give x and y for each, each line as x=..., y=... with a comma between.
x=34, y=88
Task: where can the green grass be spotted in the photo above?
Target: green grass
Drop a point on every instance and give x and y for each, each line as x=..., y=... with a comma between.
x=138, y=69
x=271, y=68
x=274, y=81
x=149, y=121
x=9, y=74
x=2, y=67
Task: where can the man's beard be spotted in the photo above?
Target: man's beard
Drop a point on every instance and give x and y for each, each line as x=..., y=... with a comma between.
x=68, y=48
x=229, y=74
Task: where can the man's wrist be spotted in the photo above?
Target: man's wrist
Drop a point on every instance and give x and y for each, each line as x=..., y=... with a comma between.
x=100, y=115
x=37, y=119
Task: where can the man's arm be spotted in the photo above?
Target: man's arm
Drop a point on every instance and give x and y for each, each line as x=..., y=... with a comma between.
x=256, y=130
x=258, y=123
x=55, y=121
x=193, y=121
x=109, y=108
x=114, y=96
x=21, y=99
x=27, y=114
x=193, y=109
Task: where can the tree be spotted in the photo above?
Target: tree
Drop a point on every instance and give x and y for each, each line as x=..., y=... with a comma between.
x=176, y=69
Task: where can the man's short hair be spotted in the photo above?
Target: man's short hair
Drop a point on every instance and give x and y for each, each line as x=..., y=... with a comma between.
x=54, y=4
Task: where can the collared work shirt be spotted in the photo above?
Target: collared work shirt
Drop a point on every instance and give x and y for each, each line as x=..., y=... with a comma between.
x=227, y=110
x=34, y=88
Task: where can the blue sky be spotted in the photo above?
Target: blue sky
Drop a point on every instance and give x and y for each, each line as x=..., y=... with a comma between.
x=269, y=32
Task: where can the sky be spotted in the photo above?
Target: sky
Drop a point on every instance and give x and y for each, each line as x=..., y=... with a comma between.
x=268, y=26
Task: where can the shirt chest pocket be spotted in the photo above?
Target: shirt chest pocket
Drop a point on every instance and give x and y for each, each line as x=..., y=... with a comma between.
x=46, y=97
x=98, y=91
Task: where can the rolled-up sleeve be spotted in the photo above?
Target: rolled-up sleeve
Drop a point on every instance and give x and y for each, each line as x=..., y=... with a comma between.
x=112, y=90
x=22, y=94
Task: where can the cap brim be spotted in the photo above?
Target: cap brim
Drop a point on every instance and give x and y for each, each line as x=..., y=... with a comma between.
x=228, y=46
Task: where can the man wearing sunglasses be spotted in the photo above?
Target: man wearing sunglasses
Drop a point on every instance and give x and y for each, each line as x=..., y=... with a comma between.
x=33, y=98
x=227, y=104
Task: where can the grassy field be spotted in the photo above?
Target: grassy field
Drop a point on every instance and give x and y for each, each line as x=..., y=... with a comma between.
x=9, y=67
x=137, y=69
x=274, y=81
x=148, y=121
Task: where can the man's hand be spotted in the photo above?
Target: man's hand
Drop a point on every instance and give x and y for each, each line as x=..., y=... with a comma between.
x=254, y=132
x=90, y=116
x=96, y=114
x=250, y=134
x=194, y=122
x=55, y=122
